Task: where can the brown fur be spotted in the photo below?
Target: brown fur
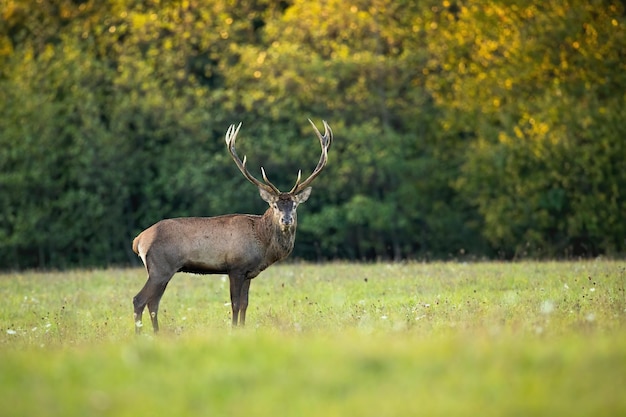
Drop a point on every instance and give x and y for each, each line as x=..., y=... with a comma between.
x=238, y=245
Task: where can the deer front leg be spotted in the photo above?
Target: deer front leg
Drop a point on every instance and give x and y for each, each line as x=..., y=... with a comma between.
x=243, y=301
x=239, y=287
x=235, y=290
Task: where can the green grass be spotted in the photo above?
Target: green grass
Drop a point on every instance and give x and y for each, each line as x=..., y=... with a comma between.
x=437, y=339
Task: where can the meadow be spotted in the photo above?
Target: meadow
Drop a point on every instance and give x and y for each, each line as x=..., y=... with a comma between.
x=337, y=339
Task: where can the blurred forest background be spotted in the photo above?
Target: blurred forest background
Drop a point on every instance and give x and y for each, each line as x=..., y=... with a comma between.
x=463, y=129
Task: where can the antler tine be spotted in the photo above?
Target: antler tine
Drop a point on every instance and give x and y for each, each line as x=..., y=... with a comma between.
x=268, y=182
x=231, y=136
x=325, y=142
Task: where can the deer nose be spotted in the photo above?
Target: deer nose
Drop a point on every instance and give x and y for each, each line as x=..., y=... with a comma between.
x=287, y=219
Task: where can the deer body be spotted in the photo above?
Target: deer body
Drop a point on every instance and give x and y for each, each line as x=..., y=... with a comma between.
x=214, y=253
x=240, y=245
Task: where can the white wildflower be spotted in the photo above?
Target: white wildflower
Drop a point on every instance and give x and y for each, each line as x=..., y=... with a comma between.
x=547, y=307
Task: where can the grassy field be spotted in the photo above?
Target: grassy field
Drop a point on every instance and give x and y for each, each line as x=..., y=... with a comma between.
x=435, y=339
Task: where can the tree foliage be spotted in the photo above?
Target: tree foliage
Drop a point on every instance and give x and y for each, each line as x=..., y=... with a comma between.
x=535, y=85
x=462, y=128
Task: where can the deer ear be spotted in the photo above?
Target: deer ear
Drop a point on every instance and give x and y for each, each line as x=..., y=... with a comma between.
x=304, y=195
x=268, y=197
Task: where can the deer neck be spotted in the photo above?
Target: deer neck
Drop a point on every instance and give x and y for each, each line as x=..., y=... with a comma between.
x=279, y=241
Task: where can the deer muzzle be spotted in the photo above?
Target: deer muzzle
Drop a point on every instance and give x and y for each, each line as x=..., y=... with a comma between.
x=287, y=221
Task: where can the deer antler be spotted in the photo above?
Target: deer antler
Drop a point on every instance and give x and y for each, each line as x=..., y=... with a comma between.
x=231, y=136
x=325, y=142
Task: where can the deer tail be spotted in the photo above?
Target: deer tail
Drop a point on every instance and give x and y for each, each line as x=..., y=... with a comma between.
x=136, y=245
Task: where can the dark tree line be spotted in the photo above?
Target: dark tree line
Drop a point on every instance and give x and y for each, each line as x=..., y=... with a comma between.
x=463, y=129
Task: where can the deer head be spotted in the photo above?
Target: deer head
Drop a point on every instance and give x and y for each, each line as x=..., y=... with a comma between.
x=282, y=205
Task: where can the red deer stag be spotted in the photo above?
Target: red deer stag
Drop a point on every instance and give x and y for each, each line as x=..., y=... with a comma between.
x=240, y=245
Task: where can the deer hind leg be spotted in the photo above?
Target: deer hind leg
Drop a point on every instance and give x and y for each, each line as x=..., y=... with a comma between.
x=150, y=295
x=239, y=288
